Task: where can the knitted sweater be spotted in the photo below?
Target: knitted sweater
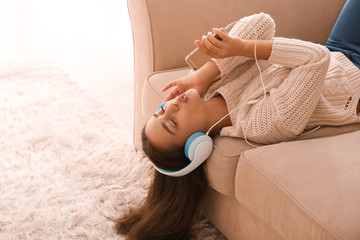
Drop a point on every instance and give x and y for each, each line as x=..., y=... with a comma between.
x=306, y=86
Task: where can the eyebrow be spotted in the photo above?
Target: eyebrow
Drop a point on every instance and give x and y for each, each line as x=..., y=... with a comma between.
x=164, y=125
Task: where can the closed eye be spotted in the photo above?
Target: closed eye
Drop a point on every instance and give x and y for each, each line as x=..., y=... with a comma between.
x=175, y=124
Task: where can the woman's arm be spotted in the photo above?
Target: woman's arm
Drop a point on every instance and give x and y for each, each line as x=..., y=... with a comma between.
x=287, y=109
x=258, y=26
x=200, y=80
x=233, y=46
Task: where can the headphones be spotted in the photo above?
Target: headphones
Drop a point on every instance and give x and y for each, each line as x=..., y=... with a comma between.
x=198, y=148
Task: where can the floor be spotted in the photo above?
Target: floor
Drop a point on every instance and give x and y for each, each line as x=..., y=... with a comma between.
x=90, y=39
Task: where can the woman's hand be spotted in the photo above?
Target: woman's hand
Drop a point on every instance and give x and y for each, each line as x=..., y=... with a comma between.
x=183, y=84
x=199, y=80
x=227, y=47
x=233, y=46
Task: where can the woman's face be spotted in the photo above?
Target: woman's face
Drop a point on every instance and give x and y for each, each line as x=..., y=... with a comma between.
x=170, y=126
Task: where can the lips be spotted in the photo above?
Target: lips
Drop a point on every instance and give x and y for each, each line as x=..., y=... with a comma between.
x=183, y=97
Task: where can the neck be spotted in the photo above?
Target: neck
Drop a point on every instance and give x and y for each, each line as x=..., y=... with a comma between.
x=216, y=108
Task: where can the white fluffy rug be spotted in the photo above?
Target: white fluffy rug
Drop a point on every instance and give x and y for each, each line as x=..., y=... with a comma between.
x=64, y=160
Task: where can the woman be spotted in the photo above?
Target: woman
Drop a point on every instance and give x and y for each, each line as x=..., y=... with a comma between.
x=306, y=86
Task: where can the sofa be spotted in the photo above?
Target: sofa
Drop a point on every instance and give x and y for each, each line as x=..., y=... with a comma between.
x=307, y=188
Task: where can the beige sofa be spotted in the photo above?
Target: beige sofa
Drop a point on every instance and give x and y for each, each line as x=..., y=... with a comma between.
x=305, y=189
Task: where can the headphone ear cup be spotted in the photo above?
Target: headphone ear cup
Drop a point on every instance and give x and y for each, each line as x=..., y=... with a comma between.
x=198, y=144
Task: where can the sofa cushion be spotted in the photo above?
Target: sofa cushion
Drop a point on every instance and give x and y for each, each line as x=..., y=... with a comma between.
x=222, y=164
x=304, y=189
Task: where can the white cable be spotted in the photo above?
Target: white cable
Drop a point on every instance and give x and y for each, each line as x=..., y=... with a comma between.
x=263, y=85
x=249, y=102
x=225, y=154
x=207, y=133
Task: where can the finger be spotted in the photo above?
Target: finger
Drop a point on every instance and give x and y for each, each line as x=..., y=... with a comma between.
x=208, y=44
x=168, y=97
x=172, y=94
x=179, y=89
x=221, y=33
x=214, y=41
x=213, y=51
x=201, y=46
x=197, y=42
x=169, y=85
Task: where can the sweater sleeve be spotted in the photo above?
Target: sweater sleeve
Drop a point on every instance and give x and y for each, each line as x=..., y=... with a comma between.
x=286, y=111
x=258, y=26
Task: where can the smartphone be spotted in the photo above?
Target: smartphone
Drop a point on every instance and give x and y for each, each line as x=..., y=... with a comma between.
x=197, y=58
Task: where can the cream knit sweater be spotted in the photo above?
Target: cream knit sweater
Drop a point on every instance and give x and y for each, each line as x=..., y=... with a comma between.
x=306, y=86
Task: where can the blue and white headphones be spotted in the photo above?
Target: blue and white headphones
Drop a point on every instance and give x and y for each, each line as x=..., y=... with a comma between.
x=198, y=148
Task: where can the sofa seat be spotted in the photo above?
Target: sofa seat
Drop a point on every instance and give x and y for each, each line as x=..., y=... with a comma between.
x=304, y=189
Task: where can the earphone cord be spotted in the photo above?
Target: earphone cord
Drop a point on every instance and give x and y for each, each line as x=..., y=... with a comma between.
x=207, y=133
x=252, y=101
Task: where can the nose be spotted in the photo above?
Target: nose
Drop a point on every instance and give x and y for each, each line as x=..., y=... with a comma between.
x=173, y=106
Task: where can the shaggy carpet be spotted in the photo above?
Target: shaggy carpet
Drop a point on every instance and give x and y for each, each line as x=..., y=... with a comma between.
x=65, y=161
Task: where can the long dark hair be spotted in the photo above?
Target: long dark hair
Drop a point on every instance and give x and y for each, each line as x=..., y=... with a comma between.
x=169, y=207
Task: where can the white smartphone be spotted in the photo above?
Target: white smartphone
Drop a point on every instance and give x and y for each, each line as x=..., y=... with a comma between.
x=197, y=58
